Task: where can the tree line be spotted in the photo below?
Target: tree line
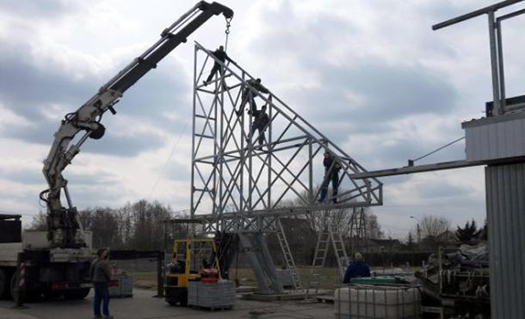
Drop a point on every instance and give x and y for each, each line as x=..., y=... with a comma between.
x=137, y=226
x=141, y=226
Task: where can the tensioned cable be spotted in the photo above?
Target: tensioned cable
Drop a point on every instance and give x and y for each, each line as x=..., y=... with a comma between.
x=411, y=162
x=169, y=159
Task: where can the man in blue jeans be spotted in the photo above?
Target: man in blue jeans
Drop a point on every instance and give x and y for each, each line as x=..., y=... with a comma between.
x=101, y=274
x=331, y=174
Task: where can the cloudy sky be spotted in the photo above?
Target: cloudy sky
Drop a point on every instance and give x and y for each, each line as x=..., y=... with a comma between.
x=371, y=75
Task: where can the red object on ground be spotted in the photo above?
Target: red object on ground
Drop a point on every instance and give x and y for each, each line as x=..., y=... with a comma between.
x=209, y=280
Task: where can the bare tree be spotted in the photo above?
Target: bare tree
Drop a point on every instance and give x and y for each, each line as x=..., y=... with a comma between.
x=435, y=231
x=39, y=222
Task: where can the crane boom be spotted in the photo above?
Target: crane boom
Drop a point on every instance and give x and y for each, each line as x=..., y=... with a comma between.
x=63, y=223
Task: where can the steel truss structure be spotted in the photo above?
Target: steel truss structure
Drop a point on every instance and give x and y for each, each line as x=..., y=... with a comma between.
x=358, y=235
x=242, y=179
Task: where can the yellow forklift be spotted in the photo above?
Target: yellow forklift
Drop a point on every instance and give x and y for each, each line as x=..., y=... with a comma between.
x=194, y=259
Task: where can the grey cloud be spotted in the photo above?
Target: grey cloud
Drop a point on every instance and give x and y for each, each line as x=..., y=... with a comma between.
x=441, y=189
x=124, y=146
x=284, y=32
x=90, y=196
x=158, y=92
x=95, y=179
x=176, y=172
x=23, y=176
x=38, y=9
x=389, y=93
x=25, y=89
x=26, y=176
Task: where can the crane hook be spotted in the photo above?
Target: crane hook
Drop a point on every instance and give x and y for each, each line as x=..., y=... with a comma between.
x=227, y=32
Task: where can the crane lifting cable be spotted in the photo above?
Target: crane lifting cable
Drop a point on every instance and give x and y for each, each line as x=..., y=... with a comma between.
x=227, y=32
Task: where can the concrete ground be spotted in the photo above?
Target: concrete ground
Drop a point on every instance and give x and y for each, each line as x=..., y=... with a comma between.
x=143, y=306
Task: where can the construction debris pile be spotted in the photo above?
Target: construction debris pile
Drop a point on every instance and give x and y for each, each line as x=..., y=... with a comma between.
x=458, y=277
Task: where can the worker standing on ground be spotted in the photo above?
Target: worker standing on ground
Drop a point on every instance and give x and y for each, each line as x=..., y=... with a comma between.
x=332, y=167
x=101, y=276
x=247, y=94
x=357, y=268
x=260, y=122
x=221, y=55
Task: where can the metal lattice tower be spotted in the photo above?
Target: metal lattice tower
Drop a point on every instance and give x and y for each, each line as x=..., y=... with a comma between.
x=358, y=236
x=238, y=186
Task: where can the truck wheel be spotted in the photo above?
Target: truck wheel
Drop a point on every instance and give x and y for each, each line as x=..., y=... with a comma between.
x=5, y=283
x=30, y=295
x=77, y=294
x=184, y=299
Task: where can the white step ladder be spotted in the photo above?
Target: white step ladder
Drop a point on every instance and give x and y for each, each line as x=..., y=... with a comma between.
x=329, y=233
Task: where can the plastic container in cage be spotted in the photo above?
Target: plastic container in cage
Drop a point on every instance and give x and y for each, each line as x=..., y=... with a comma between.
x=377, y=302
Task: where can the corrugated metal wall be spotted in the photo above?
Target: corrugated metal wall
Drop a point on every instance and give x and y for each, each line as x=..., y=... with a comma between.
x=506, y=219
x=495, y=140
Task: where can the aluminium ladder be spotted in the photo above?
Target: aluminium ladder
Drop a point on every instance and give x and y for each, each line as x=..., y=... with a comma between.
x=288, y=257
x=329, y=233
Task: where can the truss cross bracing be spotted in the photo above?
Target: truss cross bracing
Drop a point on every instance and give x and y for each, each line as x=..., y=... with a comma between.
x=358, y=236
x=243, y=180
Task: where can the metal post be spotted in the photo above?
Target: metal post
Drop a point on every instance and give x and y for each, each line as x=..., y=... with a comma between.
x=500, y=65
x=494, y=64
x=160, y=275
x=192, y=190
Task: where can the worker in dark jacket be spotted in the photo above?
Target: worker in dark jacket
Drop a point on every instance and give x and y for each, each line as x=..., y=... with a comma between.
x=248, y=95
x=101, y=276
x=357, y=268
x=260, y=123
x=331, y=167
x=221, y=55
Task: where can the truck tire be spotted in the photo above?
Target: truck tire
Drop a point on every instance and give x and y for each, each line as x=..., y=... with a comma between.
x=29, y=296
x=176, y=296
x=5, y=283
x=76, y=294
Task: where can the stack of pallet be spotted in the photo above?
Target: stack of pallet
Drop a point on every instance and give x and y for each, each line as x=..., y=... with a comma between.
x=121, y=285
x=211, y=295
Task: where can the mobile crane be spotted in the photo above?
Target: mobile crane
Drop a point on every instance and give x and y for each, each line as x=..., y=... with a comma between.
x=58, y=261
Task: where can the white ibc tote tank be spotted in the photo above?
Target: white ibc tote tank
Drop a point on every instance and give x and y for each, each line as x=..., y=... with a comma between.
x=377, y=302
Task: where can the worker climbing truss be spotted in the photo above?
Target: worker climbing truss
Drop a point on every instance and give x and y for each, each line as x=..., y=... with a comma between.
x=243, y=180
